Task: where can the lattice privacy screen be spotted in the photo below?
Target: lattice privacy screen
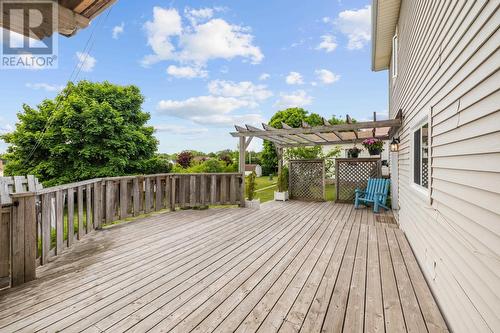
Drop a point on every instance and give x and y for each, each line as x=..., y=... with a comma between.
x=307, y=180
x=352, y=173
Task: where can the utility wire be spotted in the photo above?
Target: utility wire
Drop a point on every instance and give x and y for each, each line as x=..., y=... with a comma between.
x=73, y=76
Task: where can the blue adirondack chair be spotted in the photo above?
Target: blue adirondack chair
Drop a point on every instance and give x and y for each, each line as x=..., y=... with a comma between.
x=375, y=194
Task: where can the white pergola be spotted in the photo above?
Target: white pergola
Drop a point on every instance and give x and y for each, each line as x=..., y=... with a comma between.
x=307, y=135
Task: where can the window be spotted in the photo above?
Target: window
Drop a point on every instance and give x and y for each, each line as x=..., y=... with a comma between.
x=421, y=156
x=394, y=58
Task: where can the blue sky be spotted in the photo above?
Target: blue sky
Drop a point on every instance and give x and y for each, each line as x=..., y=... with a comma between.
x=206, y=65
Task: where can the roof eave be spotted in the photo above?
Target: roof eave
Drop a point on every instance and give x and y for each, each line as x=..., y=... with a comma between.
x=387, y=13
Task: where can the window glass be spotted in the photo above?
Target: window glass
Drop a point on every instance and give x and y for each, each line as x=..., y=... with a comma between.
x=425, y=156
x=416, y=157
x=421, y=156
x=394, y=56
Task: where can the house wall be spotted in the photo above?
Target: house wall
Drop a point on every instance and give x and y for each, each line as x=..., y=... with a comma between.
x=448, y=71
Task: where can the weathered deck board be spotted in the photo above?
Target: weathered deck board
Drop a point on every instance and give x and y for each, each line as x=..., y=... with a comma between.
x=288, y=267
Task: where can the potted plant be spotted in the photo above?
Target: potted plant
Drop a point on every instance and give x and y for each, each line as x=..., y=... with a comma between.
x=282, y=186
x=251, y=202
x=374, y=146
x=353, y=152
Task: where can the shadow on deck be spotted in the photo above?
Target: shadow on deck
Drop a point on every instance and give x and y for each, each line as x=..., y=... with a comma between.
x=287, y=267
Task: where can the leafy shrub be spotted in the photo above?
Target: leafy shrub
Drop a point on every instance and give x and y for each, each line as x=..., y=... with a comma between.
x=211, y=165
x=251, y=185
x=185, y=158
x=282, y=183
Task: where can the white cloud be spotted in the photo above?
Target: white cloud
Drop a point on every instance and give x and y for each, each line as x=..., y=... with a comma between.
x=166, y=23
x=218, y=39
x=86, y=61
x=328, y=43
x=186, y=72
x=245, y=90
x=180, y=130
x=118, y=30
x=199, y=42
x=223, y=106
x=294, y=78
x=45, y=86
x=228, y=120
x=264, y=76
x=356, y=25
x=201, y=106
x=298, y=98
x=326, y=76
x=197, y=15
x=5, y=127
x=209, y=110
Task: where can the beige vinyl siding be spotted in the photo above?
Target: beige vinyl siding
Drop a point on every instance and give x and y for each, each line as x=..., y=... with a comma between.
x=449, y=63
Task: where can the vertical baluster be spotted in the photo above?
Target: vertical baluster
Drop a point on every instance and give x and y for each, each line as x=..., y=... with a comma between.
x=123, y=199
x=213, y=190
x=173, y=194
x=159, y=194
x=232, y=190
x=223, y=190
x=71, y=215
x=168, y=191
x=59, y=222
x=109, y=201
x=192, y=191
x=88, y=197
x=182, y=191
x=203, y=189
x=46, y=226
x=97, y=205
x=136, y=198
x=147, y=189
x=81, y=230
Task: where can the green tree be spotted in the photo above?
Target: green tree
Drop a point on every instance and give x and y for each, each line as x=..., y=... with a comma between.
x=316, y=152
x=292, y=117
x=89, y=130
x=334, y=120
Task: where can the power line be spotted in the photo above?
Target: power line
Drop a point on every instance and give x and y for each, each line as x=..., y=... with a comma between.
x=73, y=76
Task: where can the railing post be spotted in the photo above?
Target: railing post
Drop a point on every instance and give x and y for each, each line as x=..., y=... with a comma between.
x=23, y=238
x=242, y=170
x=5, y=218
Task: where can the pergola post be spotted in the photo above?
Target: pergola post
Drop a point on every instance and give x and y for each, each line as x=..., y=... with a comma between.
x=242, y=169
x=280, y=159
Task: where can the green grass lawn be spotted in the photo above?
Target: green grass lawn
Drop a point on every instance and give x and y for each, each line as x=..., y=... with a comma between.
x=262, y=182
x=268, y=193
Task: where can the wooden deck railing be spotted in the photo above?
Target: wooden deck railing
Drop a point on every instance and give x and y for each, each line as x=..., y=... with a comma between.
x=42, y=224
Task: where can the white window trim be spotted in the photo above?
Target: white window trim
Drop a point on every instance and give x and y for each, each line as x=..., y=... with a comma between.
x=394, y=55
x=422, y=191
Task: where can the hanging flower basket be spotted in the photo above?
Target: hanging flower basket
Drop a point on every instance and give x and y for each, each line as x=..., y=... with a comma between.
x=374, y=146
x=353, y=152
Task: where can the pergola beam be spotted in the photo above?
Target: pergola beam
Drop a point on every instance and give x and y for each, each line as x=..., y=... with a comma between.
x=285, y=139
x=323, y=129
x=384, y=137
x=348, y=120
x=285, y=126
x=337, y=134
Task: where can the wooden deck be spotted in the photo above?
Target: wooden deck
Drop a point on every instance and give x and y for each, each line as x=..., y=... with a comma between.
x=287, y=267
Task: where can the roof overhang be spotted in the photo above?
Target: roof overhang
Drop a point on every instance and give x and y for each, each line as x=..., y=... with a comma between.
x=385, y=15
x=73, y=15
